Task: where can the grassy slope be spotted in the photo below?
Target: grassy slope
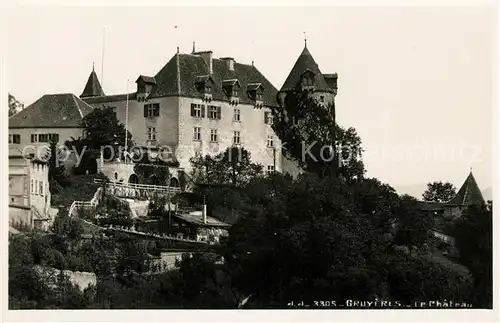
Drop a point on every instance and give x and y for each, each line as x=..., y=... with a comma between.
x=81, y=188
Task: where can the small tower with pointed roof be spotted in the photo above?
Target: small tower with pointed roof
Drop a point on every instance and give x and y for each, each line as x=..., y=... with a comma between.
x=306, y=75
x=468, y=194
x=93, y=87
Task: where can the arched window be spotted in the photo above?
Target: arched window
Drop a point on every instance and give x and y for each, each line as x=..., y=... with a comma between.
x=116, y=175
x=133, y=179
x=174, y=182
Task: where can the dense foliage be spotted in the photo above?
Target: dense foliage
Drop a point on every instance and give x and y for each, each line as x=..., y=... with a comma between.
x=475, y=242
x=319, y=236
x=439, y=192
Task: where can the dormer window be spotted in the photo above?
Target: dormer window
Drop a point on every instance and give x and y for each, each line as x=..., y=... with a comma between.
x=144, y=87
x=307, y=79
x=256, y=93
x=231, y=88
x=204, y=85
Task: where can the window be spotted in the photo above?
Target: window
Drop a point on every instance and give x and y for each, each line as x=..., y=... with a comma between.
x=270, y=169
x=258, y=96
x=16, y=139
x=322, y=98
x=10, y=138
x=270, y=141
x=295, y=120
x=268, y=118
x=54, y=136
x=32, y=188
x=43, y=138
x=308, y=79
x=236, y=138
x=236, y=115
x=151, y=133
x=116, y=175
x=34, y=138
x=197, y=110
x=41, y=188
x=152, y=110
x=197, y=133
x=36, y=187
x=214, y=112
x=213, y=135
x=235, y=92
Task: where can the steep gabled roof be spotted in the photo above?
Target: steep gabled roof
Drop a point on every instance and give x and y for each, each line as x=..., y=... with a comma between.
x=52, y=111
x=146, y=79
x=179, y=76
x=93, y=87
x=468, y=194
x=305, y=62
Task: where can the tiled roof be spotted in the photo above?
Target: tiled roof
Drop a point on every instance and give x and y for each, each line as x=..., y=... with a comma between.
x=254, y=86
x=109, y=98
x=93, y=87
x=303, y=63
x=52, y=111
x=196, y=218
x=468, y=194
x=146, y=79
x=193, y=68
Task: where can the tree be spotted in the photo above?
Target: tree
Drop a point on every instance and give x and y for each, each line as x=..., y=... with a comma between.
x=67, y=227
x=56, y=171
x=14, y=105
x=153, y=171
x=103, y=129
x=303, y=238
x=474, y=240
x=311, y=137
x=233, y=166
x=439, y=192
x=413, y=225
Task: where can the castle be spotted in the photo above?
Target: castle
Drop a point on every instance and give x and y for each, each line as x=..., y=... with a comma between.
x=196, y=103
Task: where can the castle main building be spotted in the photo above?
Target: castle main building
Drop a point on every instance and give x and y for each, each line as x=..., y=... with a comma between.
x=196, y=103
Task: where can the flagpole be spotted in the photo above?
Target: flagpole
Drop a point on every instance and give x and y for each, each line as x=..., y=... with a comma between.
x=102, y=57
x=126, y=123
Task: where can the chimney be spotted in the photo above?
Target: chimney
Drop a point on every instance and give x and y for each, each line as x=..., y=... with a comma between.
x=204, y=211
x=229, y=62
x=207, y=57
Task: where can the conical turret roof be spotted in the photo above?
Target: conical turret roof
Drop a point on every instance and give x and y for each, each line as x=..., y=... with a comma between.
x=469, y=193
x=305, y=62
x=93, y=87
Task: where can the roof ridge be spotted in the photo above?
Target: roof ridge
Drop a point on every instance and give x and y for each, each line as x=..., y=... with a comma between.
x=178, y=75
x=466, y=188
x=77, y=106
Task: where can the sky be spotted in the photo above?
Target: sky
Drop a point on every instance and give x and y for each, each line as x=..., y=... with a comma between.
x=415, y=82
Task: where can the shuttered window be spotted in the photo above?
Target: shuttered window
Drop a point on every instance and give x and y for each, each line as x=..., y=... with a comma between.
x=214, y=112
x=197, y=110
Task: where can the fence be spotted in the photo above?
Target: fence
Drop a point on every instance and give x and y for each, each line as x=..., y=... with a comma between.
x=131, y=190
x=154, y=235
x=86, y=204
x=141, y=186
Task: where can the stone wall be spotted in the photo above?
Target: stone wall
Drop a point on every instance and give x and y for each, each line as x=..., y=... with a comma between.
x=64, y=135
x=165, y=123
x=81, y=279
x=253, y=132
x=20, y=215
